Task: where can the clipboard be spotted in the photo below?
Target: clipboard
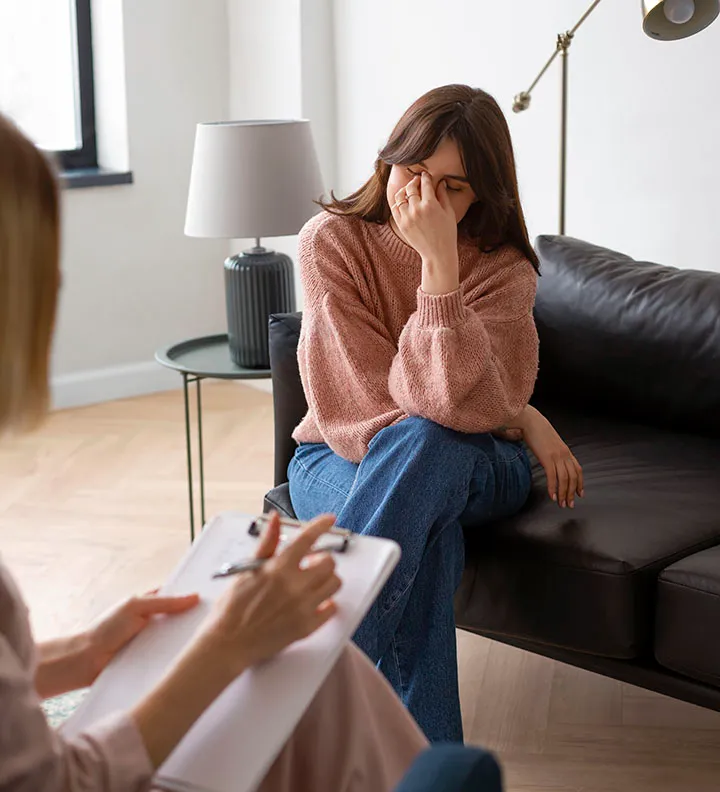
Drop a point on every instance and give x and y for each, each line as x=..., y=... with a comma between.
x=233, y=744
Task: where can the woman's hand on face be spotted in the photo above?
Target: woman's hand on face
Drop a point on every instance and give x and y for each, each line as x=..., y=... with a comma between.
x=563, y=472
x=427, y=221
x=120, y=625
x=284, y=601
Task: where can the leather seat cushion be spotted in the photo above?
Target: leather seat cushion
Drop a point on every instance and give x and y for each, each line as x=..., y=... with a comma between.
x=688, y=614
x=279, y=499
x=585, y=579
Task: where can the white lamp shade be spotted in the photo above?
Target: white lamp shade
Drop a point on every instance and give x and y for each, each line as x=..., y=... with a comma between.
x=659, y=25
x=252, y=179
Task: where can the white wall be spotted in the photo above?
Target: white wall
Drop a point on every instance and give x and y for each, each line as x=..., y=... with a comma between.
x=265, y=59
x=644, y=165
x=131, y=280
x=318, y=82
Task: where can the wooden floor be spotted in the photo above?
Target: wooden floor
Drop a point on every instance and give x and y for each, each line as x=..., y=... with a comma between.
x=94, y=507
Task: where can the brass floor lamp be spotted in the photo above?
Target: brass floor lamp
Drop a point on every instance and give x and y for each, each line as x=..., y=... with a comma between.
x=665, y=20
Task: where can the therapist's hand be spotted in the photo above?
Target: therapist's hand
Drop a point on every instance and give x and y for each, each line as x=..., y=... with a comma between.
x=72, y=663
x=285, y=600
x=121, y=624
x=260, y=614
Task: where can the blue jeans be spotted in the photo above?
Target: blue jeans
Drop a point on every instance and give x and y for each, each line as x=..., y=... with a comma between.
x=419, y=484
x=453, y=768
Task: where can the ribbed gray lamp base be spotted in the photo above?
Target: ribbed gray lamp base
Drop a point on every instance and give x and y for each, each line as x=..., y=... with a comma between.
x=258, y=283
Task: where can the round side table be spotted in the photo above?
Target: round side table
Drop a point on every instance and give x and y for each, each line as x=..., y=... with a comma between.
x=197, y=359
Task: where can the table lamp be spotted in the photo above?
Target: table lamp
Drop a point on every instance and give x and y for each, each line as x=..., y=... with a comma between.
x=665, y=20
x=253, y=179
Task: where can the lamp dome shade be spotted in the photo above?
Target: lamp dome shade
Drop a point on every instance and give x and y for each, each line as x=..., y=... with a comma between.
x=252, y=179
x=658, y=16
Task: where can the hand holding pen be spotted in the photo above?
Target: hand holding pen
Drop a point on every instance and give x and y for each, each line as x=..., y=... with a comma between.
x=336, y=540
x=284, y=600
x=260, y=614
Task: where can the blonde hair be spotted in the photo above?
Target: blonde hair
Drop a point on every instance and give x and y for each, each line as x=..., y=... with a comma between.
x=29, y=278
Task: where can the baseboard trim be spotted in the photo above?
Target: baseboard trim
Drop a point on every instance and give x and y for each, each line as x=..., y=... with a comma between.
x=108, y=384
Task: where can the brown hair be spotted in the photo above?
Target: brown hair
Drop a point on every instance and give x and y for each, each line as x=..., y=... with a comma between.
x=474, y=120
x=29, y=278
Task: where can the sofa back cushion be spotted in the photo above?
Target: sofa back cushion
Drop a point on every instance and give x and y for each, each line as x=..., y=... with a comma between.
x=628, y=338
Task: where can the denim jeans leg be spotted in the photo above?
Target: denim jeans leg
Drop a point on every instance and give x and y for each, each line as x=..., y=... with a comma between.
x=320, y=480
x=512, y=481
x=453, y=768
x=421, y=661
x=414, y=486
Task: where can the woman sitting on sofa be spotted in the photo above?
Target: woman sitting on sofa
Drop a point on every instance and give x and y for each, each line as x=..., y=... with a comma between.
x=418, y=349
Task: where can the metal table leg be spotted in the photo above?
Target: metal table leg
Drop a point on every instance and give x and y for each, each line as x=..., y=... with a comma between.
x=188, y=447
x=188, y=379
x=200, y=452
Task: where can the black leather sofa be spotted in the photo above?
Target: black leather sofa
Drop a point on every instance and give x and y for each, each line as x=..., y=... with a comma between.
x=627, y=584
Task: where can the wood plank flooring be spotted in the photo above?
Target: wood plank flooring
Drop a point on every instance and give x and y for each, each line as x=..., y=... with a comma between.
x=94, y=507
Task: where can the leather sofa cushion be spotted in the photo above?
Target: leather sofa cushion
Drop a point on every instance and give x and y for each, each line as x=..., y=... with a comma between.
x=628, y=338
x=289, y=402
x=279, y=499
x=585, y=579
x=688, y=617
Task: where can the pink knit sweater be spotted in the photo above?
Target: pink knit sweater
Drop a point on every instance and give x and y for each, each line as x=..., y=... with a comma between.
x=374, y=348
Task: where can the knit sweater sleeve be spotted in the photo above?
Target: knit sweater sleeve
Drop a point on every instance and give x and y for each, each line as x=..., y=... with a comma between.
x=468, y=360
x=109, y=757
x=345, y=351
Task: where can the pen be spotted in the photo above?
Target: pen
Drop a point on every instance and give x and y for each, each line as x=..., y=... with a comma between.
x=341, y=536
x=251, y=564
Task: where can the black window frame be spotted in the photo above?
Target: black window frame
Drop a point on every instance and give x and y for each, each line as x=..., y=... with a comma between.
x=85, y=157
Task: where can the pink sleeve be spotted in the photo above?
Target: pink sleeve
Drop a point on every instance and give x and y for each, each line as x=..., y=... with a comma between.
x=344, y=353
x=35, y=758
x=469, y=361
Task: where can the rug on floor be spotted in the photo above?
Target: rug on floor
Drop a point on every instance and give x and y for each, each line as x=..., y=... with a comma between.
x=60, y=708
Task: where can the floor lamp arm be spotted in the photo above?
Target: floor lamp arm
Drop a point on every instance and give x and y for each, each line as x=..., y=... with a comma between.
x=522, y=100
x=563, y=137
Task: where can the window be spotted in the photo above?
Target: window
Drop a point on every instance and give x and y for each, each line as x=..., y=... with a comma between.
x=46, y=76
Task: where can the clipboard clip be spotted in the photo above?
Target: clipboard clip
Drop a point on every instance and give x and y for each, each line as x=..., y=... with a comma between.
x=336, y=540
